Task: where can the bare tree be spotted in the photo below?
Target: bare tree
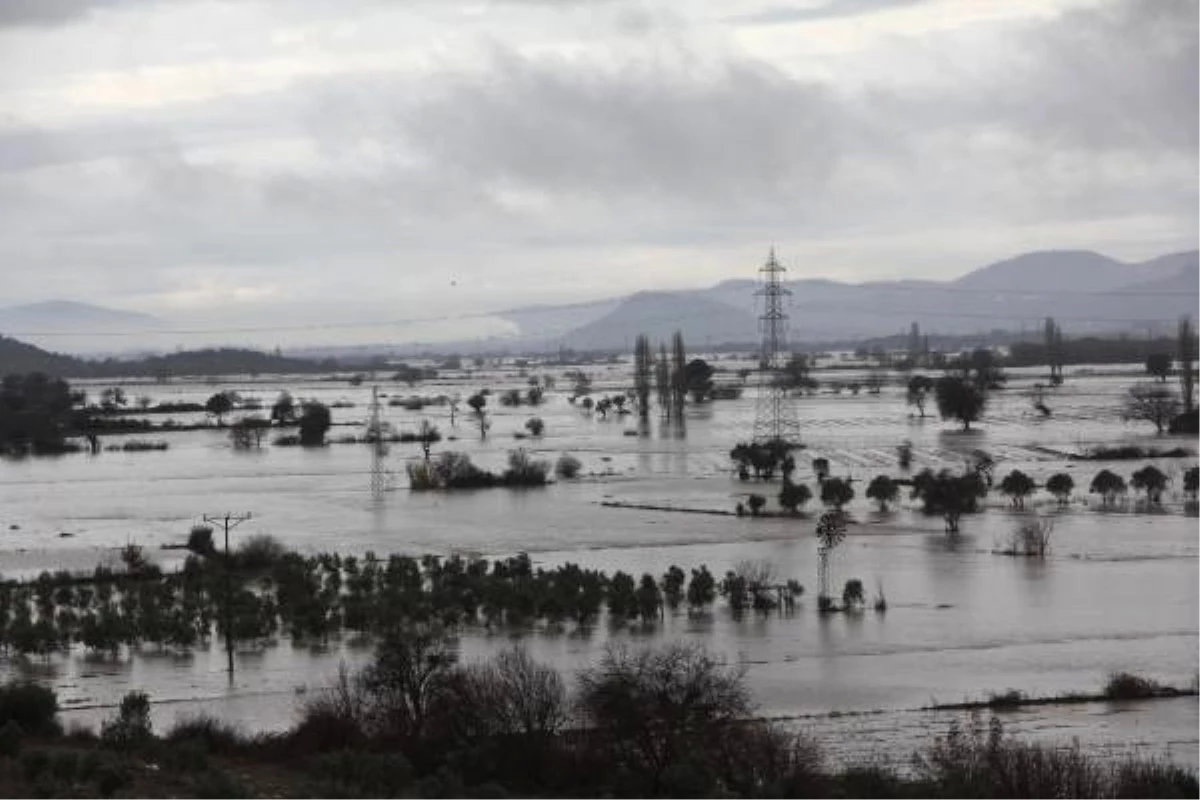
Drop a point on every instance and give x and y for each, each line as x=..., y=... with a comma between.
x=1151, y=402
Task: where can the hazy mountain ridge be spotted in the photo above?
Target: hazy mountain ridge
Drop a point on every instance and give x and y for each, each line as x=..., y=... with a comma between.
x=1085, y=291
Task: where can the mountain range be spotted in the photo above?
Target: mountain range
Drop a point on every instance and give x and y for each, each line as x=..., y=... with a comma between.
x=1084, y=291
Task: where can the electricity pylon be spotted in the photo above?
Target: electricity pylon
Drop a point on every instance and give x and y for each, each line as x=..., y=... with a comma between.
x=774, y=417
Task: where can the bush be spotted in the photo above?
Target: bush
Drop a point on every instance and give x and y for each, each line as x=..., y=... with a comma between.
x=131, y=727
x=215, y=735
x=523, y=470
x=34, y=708
x=34, y=764
x=347, y=773
x=259, y=552
x=200, y=540
x=653, y=710
x=1127, y=686
x=836, y=492
x=567, y=466
x=217, y=784
x=11, y=737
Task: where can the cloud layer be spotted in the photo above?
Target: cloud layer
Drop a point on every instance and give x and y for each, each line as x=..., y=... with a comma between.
x=243, y=161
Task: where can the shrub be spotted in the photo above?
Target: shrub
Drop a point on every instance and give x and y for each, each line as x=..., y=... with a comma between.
x=535, y=426
x=215, y=735
x=259, y=552
x=218, y=783
x=1127, y=686
x=657, y=709
x=34, y=708
x=853, y=594
x=1031, y=538
x=523, y=470
x=348, y=773
x=756, y=502
x=200, y=540
x=131, y=727
x=11, y=737
x=34, y=764
x=567, y=466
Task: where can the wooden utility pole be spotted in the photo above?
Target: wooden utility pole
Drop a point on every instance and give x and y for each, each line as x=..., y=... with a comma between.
x=228, y=521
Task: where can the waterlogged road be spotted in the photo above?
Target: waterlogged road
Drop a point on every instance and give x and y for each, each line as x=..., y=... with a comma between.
x=1118, y=591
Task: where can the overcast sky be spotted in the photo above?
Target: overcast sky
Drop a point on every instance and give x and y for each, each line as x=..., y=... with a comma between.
x=235, y=161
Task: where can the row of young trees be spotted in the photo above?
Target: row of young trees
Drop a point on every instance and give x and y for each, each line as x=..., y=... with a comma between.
x=951, y=495
x=262, y=590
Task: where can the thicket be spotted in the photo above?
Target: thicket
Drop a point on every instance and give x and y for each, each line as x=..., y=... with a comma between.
x=263, y=591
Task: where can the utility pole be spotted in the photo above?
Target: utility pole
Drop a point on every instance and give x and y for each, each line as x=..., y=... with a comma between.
x=228, y=521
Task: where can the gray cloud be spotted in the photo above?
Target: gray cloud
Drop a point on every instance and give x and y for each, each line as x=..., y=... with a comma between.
x=831, y=9
x=51, y=12
x=525, y=168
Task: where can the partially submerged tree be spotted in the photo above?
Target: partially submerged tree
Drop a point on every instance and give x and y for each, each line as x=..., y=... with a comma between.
x=949, y=495
x=315, y=422
x=1060, y=485
x=218, y=405
x=793, y=495
x=1151, y=402
x=919, y=387
x=961, y=399
x=1191, y=481
x=1108, y=485
x=698, y=378
x=1186, y=356
x=836, y=492
x=1159, y=365
x=643, y=368
x=883, y=490
x=1017, y=485
x=1151, y=480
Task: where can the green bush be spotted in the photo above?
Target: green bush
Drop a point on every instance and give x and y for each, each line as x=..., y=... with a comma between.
x=33, y=707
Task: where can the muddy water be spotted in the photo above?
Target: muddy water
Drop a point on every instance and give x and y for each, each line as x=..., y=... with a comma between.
x=1118, y=591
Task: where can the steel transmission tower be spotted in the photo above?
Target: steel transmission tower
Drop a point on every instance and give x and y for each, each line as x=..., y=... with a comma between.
x=774, y=418
x=378, y=451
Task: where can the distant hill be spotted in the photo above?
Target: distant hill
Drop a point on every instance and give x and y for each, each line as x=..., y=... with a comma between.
x=17, y=356
x=1086, y=292
x=658, y=315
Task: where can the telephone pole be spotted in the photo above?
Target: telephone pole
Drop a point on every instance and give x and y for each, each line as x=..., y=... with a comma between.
x=228, y=521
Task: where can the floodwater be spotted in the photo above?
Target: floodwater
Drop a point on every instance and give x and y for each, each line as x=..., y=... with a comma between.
x=1118, y=590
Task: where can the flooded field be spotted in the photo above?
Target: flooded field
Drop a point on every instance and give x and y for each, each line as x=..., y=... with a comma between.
x=1118, y=590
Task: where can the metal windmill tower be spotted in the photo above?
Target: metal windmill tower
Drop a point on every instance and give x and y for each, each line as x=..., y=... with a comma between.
x=774, y=418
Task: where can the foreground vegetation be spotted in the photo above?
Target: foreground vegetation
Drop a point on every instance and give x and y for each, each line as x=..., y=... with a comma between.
x=669, y=722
